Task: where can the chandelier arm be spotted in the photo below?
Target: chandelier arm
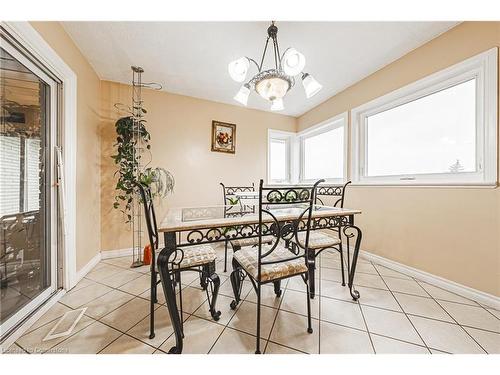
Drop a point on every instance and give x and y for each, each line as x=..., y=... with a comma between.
x=278, y=63
x=255, y=62
x=282, y=55
x=263, y=55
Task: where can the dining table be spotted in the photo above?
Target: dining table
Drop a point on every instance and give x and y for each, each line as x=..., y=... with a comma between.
x=188, y=226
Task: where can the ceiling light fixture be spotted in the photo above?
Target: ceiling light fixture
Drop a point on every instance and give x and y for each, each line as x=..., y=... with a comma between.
x=273, y=84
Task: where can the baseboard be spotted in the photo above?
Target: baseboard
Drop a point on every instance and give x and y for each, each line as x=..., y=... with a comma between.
x=474, y=294
x=108, y=254
x=86, y=268
x=15, y=335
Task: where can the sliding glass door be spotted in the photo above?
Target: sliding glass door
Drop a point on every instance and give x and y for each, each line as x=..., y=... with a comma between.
x=28, y=204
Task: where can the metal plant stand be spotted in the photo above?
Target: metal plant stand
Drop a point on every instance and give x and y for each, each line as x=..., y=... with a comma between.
x=137, y=113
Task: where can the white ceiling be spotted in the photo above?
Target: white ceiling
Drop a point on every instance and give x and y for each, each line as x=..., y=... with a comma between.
x=190, y=58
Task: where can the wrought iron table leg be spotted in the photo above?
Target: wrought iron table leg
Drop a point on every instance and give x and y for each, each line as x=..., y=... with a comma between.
x=168, y=290
x=312, y=267
x=352, y=269
x=153, y=297
x=225, y=255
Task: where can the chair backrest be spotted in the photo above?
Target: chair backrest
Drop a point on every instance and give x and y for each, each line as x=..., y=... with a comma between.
x=332, y=191
x=149, y=213
x=229, y=193
x=303, y=198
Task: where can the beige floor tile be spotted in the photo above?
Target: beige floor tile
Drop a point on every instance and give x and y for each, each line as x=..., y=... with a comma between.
x=384, y=345
x=329, y=263
x=120, y=278
x=83, y=296
x=222, y=305
x=296, y=302
x=443, y=336
x=108, y=302
x=434, y=351
x=291, y=330
x=473, y=316
x=378, y=298
x=245, y=319
x=422, y=306
x=160, y=296
x=137, y=286
x=54, y=312
x=340, y=312
x=331, y=274
x=89, y=340
x=268, y=297
x=405, y=286
x=444, y=295
x=296, y=283
x=127, y=345
x=365, y=268
x=163, y=328
x=102, y=271
x=190, y=278
x=336, y=339
x=490, y=341
x=273, y=348
x=227, y=290
x=372, y=281
x=391, y=324
x=82, y=284
x=384, y=271
x=13, y=349
x=128, y=315
x=494, y=312
x=236, y=342
x=123, y=262
x=192, y=299
x=199, y=336
x=334, y=289
x=32, y=342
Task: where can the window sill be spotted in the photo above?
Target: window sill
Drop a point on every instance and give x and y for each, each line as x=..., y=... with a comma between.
x=461, y=185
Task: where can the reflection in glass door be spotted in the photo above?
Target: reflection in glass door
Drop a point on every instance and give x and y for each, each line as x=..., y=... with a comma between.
x=27, y=234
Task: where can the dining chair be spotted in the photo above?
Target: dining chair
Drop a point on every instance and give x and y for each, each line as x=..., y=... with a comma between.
x=271, y=263
x=230, y=200
x=196, y=258
x=323, y=239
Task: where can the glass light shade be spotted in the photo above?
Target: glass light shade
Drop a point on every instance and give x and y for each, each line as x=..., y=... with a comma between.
x=293, y=62
x=242, y=95
x=311, y=86
x=238, y=69
x=272, y=88
x=277, y=105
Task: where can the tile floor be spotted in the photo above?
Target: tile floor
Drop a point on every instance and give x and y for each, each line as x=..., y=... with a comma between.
x=395, y=314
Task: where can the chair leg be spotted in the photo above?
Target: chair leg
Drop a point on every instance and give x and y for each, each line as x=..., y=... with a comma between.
x=342, y=264
x=311, y=270
x=204, y=274
x=309, y=324
x=277, y=288
x=225, y=255
x=178, y=276
x=236, y=284
x=152, y=299
x=257, y=350
x=215, y=292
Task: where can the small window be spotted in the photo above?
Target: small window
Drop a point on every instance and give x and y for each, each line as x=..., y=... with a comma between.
x=279, y=157
x=440, y=130
x=322, y=152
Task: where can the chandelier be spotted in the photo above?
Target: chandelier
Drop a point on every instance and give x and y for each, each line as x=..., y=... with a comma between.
x=273, y=84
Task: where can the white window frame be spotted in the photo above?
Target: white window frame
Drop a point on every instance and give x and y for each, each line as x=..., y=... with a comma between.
x=289, y=138
x=482, y=67
x=336, y=122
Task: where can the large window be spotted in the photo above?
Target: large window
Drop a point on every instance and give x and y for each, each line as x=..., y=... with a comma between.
x=322, y=152
x=279, y=153
x=440, y=130
x=316, y=153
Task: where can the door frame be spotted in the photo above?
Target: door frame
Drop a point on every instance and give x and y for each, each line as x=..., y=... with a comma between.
x=33, y=42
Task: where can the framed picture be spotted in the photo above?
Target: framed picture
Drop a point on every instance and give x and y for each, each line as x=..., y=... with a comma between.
x=223, y=137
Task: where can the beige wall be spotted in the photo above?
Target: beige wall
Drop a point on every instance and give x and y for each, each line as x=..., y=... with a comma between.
x=88, y=143
x=180, y=128
x=452, y=233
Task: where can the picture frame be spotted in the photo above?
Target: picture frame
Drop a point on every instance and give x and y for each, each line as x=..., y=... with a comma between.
x=223, y=137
